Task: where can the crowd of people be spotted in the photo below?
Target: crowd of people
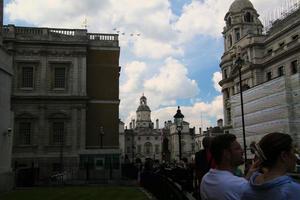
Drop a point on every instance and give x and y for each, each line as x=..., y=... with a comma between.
x=214, y=173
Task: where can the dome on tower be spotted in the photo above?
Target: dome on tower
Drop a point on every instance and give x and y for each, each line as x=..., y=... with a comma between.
x=239, y=5
x=143, y=104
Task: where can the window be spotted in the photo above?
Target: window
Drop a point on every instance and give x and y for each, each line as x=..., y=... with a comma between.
x=270, y=51
x=230, y=40
x=281, y=44
x=139, y=138
x=24, y=133
x=295, y=37
x=148, y=148
x=156, y=138
x=280, y=71
x=294, y=69
x=128, y=150
x=248, y=17
x=269, y=76
x=139, y=148
x=228, y=111
x=225, y=73
x=147, y=138
x=237, y=34
x=156, y=148
x=27, y=77
x=60, y=77
x=229, y=21
x=58, y=133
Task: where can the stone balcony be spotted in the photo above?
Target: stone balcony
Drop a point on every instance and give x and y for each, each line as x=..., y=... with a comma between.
x=57, y=35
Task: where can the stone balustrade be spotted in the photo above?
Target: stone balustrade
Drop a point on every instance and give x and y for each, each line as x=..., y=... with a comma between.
x=32, y=33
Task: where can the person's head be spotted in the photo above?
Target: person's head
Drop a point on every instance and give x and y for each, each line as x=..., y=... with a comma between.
x=225, y=148
x=206, y=142
x=277, y=147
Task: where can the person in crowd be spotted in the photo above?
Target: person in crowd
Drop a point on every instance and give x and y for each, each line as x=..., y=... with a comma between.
x=221, y=183
x=277, y=155
x=203, y=162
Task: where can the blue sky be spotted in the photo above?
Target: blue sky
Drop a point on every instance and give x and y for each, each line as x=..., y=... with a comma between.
x=174, y=60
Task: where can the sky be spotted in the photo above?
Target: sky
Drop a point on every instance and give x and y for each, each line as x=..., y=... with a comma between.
x=170, y=49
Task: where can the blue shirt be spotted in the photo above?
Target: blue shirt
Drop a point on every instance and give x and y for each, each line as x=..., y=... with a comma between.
x=280, y=188
x=222, y=185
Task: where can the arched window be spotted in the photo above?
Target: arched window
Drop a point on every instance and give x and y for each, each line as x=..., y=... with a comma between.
x=230, y=40
x=248, y=17
x=229, y=21
x=148, y=148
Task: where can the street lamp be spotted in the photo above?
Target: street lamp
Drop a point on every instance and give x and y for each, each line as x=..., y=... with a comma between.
x=239, y=63
x=178, y=120
x=101, y=133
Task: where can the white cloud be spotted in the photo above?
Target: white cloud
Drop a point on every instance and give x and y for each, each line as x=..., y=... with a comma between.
x=155, y=49
x=217, y=77
x=162, y=35
x=172, y=81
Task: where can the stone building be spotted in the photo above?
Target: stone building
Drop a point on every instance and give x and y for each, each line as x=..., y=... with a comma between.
x=144, y=140
x=65, y=117
x=6, y=73
x=269, y=72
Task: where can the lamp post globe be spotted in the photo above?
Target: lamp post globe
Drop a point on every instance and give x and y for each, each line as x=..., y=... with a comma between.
x=178, y=120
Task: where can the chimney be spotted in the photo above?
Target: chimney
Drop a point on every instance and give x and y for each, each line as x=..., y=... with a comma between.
x=130, y=125
x=200, y=131
x=133, y=123
x=157, y=124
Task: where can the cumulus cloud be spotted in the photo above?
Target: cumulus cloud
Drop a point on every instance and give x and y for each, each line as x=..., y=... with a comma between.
x=217, y=77
x=162, y=38
x=155, y=49
x=172, y=81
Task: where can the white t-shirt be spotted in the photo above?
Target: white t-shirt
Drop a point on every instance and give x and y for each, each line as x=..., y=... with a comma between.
x=222, y=185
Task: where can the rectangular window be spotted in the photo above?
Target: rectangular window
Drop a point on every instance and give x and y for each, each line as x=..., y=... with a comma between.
x=294, y=67
x=237, y=34
x=139, y=149
x=27, y=77
x=156, y=148
x=228, y=115
x=58, y=132
x=280, y=71
x=225, y=73
x=269, y=76
x=24, y=133
x=128, y=150
x=60, y=77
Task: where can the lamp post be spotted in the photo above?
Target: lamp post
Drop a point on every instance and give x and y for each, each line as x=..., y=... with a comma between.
x=239, y=64
x=101, y=133
x=178, y=119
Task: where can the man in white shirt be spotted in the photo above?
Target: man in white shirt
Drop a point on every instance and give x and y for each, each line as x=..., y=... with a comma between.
x=221, y=183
